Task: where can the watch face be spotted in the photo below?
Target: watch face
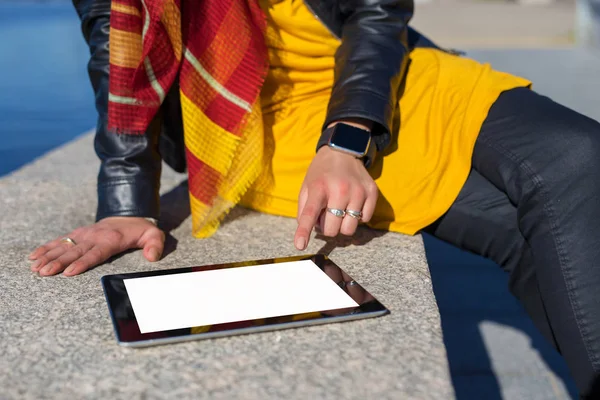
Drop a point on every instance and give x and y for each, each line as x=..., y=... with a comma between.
x=350, y=139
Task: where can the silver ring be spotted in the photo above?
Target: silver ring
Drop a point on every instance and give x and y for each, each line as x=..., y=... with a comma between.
x=354, y=214
x=68, y=240
x=337, y=212
x=352, y=283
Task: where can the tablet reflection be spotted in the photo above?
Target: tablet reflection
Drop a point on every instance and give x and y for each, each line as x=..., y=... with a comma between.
x=348, y=285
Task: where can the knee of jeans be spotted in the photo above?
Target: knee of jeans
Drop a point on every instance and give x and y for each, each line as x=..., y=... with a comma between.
x=575, y=157
x=583, y=151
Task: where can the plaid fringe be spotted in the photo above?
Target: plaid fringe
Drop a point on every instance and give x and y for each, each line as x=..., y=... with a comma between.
x=216, y=49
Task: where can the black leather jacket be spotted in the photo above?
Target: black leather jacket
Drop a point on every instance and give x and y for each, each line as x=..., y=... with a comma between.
x=370, y=64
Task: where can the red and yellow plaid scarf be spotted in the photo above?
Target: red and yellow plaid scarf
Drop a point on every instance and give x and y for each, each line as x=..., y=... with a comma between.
x=216, y=50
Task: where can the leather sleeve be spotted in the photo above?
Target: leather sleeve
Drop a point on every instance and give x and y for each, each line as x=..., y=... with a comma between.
x=129, y=177
x=370, y=63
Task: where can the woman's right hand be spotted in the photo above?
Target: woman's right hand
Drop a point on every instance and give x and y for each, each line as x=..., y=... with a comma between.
x=96, y=243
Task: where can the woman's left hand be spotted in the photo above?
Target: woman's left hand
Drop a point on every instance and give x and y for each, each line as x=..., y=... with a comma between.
x=334, y=180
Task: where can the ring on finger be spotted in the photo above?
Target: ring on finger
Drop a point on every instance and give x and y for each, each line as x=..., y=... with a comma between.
x=354, y=214
x=68, y=240
x=337, y=212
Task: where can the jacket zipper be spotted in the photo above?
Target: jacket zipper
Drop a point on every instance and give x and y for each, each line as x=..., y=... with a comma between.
x=306, y=3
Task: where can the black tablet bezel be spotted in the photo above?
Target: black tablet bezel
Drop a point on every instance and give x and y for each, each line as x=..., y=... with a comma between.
x=128, y=333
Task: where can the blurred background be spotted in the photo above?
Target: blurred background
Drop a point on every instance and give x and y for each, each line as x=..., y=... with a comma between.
x=498, y=23
x=45, y=98
x=494, y=351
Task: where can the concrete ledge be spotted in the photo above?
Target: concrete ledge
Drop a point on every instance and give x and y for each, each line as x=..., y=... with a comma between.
x=496, y=24
x=57, y=340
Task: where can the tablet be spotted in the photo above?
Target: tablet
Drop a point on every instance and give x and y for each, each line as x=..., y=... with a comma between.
x=159, y=307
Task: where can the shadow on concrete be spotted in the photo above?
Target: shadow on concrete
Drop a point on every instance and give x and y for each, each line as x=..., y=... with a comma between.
x=362, y=237
x=175, y=208
x=470, y=290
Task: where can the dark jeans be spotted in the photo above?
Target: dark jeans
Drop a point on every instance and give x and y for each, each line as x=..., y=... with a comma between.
x=532, y=205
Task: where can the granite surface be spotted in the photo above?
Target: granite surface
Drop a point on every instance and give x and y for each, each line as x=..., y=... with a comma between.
x=56, y=339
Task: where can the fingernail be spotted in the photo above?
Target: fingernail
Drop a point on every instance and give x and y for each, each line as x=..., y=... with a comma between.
x=35, y=265
x=68, y=270
x=154, y=255
x=300, y=243
x=31, y=256
x=47, y=268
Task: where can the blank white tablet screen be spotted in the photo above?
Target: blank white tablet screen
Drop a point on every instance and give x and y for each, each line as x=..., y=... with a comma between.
x=219, y=296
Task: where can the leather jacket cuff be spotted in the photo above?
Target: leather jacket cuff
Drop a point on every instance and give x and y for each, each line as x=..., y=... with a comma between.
x=128, y=197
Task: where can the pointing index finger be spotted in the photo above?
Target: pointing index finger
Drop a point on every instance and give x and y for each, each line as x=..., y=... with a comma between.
x=317, y=199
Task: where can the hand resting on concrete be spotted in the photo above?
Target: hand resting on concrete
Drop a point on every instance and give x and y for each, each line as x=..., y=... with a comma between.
x=94, y=244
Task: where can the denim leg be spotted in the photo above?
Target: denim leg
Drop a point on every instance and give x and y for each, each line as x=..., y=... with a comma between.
x=483, y=221
x=546, y=158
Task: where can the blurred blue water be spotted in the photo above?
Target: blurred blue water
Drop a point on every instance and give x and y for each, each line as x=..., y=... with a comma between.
x=45, y=95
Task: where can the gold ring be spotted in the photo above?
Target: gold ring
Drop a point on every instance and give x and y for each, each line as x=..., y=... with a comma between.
x=68, y=240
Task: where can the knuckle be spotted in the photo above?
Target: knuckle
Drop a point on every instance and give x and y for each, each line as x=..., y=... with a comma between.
x=113, y=236
x=44, y=260
x=316, y=186
x=330, y=231
x=96, y=253
x=54, y=266
x=359, y=193
x=78, y=250
x=79, y=265
x=348, y=230
x=372, y=189
x=311, y=211
x=342, y=188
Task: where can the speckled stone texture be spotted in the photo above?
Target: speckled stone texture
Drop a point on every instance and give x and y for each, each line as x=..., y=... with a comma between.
x=56, y=339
